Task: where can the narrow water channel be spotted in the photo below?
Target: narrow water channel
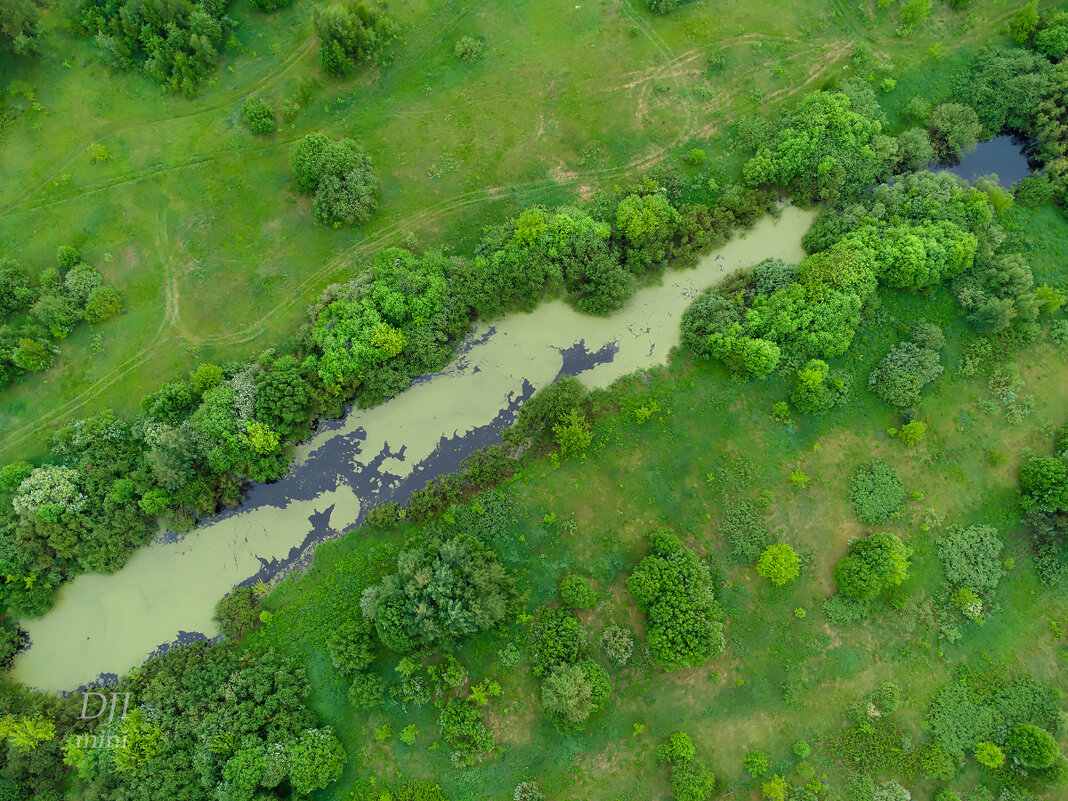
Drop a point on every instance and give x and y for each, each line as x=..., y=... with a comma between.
x=102, y=626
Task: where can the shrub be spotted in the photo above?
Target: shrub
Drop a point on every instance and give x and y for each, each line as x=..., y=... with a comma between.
x=756, y=764
x=971, y=557
x=802, y=749
x=710, y=313
x=746, y=531
x=617, y=643
x=556, y=638
x=528, y=791
x=573, y=433
x=912, y=433
x=678, y=748
x=366, y=691
x=903, y=373
x=577, y=592
x=259, y=115
x=238, y=612
x=779, y=564
x=873, y=564
x=468, y=49
x=989, y=755
x=876, y=492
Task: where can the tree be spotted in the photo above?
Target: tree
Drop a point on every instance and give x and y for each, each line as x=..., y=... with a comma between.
x=16, y=289
x=238, y=612
x=1031, y=747
x=779, y=564
x=1024, y=22
x=954, y=129
x=470, y=592
x=646, y=224
x=103, y=303
x=20, y=27
x=914, y=149
x=352, y=646
x=1051, y=36
x=350, y=32
x=315, y=759
x=340, y=176
x=32, y=354
x=903, y=373
x=176, y=44
x=873, y=564
x=570, y=693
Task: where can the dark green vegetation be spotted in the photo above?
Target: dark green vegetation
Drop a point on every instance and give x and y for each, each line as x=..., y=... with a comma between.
x=552, y=627
x=36, y=315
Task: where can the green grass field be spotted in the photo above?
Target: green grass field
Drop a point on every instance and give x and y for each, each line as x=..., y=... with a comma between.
x=192, y=217
x=782, y=678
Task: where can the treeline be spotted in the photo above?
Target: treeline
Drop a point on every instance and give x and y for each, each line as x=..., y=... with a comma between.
x=20, y=27
x=177, y=42
x=36, y=315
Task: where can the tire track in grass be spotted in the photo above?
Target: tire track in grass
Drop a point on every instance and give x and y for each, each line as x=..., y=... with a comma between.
x=229, y=100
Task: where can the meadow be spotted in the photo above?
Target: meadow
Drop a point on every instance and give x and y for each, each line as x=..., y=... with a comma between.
x=192, y=217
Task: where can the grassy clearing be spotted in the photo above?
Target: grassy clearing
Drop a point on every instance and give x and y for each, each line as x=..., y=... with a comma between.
x=192, y=216
x=782, y=678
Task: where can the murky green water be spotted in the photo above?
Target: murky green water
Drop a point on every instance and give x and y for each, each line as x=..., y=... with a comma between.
x=109, y=624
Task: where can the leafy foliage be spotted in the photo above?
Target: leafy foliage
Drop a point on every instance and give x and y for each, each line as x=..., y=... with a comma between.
x=351, y=32
x=340, y=176
x=876, y=492
x=675, y=591
x=177, y=44
x=873, y=564
x=470, y=592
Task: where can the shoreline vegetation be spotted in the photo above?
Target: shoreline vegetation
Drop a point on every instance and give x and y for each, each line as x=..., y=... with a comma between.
x=907, y=270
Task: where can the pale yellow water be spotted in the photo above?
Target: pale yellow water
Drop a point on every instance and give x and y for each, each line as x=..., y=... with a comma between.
x=109, y=624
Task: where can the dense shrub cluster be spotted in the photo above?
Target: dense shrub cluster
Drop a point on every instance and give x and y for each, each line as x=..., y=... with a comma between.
x=573, y=686
x=876, y=492
x=351, y=32
x=1044, y=498
x=691, y=779
x=177, y=44
x=339, y=175
x=674, y=589
x=20, y=27
x=36, y=315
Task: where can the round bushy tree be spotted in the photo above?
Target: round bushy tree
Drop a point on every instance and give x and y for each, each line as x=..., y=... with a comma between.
x=779, y=564
x=876, y=492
